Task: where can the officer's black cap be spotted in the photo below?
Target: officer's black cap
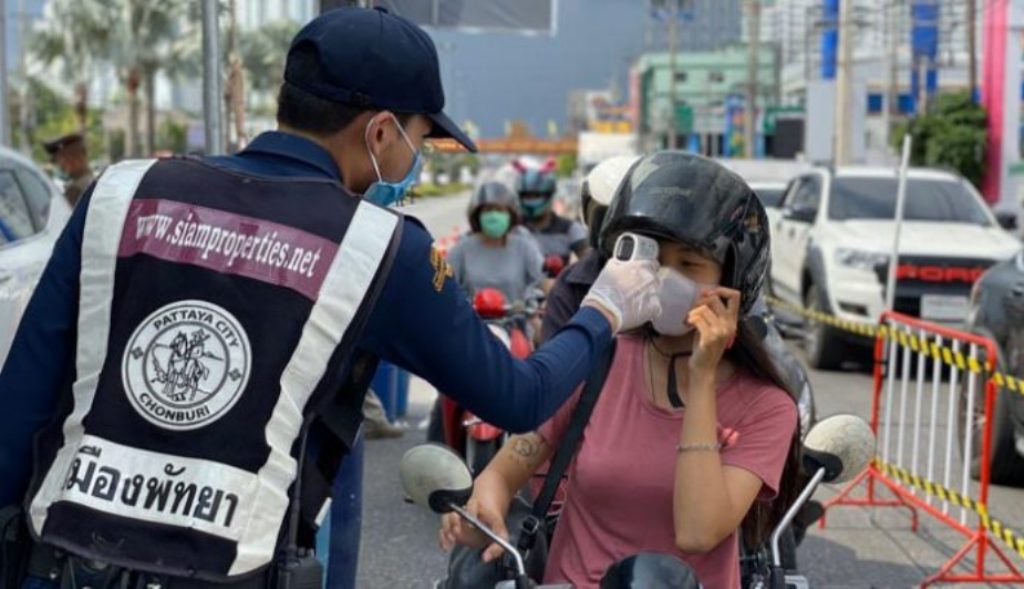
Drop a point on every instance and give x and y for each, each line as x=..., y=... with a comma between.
x=369, y=58
x=54, y=146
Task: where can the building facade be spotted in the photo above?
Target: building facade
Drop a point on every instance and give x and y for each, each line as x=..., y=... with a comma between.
x=708, y=87
x=921, y=46
x=253, y=14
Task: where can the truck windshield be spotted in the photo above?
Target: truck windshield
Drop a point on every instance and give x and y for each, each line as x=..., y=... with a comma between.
x=927, y=200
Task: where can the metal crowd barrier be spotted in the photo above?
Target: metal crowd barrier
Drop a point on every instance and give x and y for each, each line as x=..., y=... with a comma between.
x=934, y=398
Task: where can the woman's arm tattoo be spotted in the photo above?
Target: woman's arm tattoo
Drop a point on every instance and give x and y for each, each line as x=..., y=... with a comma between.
x=526, y=445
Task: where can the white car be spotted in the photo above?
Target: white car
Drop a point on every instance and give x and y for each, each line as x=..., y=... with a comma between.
x=770, y=194
x=832, y=241
x=32, y=214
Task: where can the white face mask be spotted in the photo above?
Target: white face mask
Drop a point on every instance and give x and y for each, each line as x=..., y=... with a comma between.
x=677, y=294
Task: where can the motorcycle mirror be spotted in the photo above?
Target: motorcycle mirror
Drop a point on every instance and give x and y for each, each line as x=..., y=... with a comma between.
x=435, y=477
x=842, y=444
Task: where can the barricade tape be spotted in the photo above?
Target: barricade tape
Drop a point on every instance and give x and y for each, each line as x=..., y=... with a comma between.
x=904, y=338
x=1012, y=540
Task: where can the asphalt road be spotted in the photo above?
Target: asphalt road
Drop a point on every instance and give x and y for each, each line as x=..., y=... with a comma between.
x=859, y=547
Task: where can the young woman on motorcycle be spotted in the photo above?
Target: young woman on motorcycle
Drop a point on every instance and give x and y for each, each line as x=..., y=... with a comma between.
x=693, y=434
x=493, y=255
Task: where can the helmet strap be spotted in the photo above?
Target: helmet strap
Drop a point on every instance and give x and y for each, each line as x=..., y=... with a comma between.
x=672, y=384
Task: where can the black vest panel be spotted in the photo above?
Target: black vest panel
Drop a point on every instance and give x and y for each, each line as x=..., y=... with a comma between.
x=217, y=309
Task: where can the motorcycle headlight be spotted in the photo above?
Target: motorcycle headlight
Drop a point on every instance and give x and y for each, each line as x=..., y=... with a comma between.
x=863, y=260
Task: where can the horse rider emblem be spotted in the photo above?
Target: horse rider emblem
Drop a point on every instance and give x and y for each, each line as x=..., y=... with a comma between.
x=186, y=365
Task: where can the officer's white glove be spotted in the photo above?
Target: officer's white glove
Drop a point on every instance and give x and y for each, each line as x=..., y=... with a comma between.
x=626, y=292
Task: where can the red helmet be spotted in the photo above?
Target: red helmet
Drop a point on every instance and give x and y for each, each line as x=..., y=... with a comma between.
x=489, y=303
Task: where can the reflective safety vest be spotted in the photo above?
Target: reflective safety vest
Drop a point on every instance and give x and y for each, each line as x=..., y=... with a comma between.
x=217, y=311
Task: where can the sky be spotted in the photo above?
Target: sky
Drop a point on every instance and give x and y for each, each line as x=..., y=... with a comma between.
x=495, y=77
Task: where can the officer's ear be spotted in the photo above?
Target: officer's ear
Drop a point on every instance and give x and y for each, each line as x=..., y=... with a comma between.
x=380, y=131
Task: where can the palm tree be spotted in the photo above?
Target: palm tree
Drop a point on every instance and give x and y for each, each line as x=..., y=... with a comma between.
x=150, y=36
x=74, y=33
x=148, y=28
x=263, y=54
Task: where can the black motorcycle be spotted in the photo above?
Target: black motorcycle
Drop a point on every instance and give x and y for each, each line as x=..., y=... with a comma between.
x=434, y=477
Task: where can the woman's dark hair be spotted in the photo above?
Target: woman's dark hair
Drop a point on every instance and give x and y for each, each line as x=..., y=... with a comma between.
x=492, y=194
x=303, y=111
x=751, y=353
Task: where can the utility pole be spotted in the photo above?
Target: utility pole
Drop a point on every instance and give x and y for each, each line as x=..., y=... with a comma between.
x=673, y=31
x=890, y=108
x=753, y=51
x=972, y=62
x=922, y=84
x=212, y=80
x=844, y=79
x=25, y=112
x=5, y=123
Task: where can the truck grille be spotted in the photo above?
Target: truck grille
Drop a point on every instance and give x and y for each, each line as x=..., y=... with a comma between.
x=919, y=275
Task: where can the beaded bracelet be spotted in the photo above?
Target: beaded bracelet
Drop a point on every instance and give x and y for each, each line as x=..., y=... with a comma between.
x=699, y=447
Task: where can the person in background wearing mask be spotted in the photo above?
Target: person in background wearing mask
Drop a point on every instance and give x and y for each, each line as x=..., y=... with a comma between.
x=492, y=255
x=205, y=324
x=572, y=285
x=557, y=236
x=692, y=436
x=68, y=153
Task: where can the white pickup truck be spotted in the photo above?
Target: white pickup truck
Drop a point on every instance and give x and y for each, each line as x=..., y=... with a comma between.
x=832, y=239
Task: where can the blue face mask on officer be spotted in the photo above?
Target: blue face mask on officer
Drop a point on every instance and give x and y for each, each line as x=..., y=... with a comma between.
x=386, y=193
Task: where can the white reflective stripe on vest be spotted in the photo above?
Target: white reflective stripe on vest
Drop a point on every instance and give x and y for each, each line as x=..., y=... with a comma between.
x=344, y=288
x=261, y=497
x=104, y=222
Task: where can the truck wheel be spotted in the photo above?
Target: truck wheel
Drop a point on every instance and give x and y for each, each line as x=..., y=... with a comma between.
x=1007, y=465
x=822, y=343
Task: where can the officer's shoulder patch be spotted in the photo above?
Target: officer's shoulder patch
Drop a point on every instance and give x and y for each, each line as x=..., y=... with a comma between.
x=442, y=269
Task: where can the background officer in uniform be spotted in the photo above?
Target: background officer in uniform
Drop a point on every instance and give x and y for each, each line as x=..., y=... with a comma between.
x=69, y=154
x=361, y=94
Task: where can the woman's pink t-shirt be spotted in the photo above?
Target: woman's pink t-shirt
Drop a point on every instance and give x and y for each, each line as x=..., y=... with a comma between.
x=621, y=481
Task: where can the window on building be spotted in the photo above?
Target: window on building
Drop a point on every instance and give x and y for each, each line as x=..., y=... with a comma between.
x=716, y=77
x=875, y=102
x=680, y=77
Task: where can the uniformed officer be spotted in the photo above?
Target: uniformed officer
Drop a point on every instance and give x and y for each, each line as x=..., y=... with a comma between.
x=190, y=335
x=69, y=154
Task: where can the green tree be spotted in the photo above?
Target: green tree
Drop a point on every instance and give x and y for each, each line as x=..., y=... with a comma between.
x=52, y=115
x=139, y=38
x=951, y=135
x=73, y=34
x=148, y=38
x=263, y=54
x=566, y=165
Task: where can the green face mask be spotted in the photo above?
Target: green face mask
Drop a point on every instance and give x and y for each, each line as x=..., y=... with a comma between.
x=495, y=224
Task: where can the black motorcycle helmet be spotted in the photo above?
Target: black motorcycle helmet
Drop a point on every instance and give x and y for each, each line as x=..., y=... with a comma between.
x=693, y=200
x=649, y=570
x=492, y=193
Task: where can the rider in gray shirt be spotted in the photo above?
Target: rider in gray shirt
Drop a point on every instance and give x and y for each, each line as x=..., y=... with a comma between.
x=494, y=255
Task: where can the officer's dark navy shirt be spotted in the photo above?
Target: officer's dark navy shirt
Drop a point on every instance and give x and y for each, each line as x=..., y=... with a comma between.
x=567, y=294
x=431, y=332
